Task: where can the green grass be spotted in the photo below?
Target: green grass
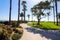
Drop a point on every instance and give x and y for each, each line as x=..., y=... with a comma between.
x=45, y=25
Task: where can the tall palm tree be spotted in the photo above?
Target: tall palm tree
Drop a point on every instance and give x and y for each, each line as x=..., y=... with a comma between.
x=59, y=18
x=10, y=11
x=59, y=15
x=28, y=17
x=56, y=12
x=48, y=14
x=18, y=12
x=24, y=7
x=21, y=15
x=53, y=9
x=32, y=10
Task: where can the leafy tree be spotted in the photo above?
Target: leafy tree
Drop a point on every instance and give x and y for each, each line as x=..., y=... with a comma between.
x=39, y=9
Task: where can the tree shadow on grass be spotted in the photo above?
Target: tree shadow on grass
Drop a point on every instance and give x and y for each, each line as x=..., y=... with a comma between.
x=49, y=34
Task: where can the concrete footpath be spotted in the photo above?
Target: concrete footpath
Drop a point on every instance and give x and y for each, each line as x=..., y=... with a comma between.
x=39, y=34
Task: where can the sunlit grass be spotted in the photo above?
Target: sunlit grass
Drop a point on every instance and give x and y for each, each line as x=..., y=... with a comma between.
x=45, y=25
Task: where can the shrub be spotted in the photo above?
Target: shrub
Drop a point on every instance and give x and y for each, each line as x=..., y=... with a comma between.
x=21, y=21
x=5, y=32
x=4, y=35
x=14, y=23
x=17, y=31
x=16, y=36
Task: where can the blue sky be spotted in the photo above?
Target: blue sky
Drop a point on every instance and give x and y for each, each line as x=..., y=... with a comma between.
x=4, y=9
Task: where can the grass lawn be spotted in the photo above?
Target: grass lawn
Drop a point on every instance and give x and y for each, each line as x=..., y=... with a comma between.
x=45, y=25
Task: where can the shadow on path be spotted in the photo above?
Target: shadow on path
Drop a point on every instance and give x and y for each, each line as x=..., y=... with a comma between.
x=49, y=34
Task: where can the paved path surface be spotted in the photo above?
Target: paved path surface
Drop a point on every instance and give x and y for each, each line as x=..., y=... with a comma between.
x=38, y=34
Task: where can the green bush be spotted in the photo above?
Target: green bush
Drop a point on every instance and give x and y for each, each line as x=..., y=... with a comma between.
x=14, y=23
x=17, y=31
x=16, y=36
x=22, y=21
x=4, y=35
x=4, y=22
x=5, y=32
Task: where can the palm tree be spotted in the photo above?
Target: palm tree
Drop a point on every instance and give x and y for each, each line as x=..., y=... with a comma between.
x=10, y=11
x=24, y=7
x=32, y=10
x=54, y=12
x=21, y=15
x=18, y=12
x=59, y=17
x=32, y=17
x=28, y=17
x=48, y=14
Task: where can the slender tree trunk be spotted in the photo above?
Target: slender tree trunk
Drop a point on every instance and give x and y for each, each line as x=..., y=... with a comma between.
x=28, y=18
x=48, y=18
x=59, y=21
x=22, y=18
x=38, y=21
x=24, y=14
x=10, y=11
x=39, y=16
x=32, y=17
x=56, y=12
x=18, y=12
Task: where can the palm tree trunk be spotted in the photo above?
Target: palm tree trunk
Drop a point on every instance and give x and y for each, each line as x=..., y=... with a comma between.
x=56, y=12
x=48, y=18
x=59, y=21
x=24, y=14
x=32, y=17
x=21, y=18
x=18, y=12
x=28, y=18
x=10, y=11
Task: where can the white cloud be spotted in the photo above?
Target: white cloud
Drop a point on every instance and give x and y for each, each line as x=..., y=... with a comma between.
x=35, y=1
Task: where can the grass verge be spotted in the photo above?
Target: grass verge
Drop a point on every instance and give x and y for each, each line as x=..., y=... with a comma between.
x=45, y=25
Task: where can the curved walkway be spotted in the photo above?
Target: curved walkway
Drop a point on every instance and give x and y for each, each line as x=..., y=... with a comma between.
x=39, y=34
